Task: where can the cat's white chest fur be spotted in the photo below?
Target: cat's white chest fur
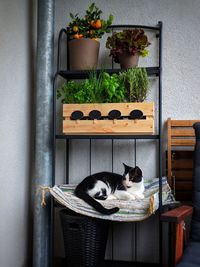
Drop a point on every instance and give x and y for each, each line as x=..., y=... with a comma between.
x=137, y=190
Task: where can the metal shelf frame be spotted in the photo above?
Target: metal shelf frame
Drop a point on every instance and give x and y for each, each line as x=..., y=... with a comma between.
x=152, y=71
x=149, y=137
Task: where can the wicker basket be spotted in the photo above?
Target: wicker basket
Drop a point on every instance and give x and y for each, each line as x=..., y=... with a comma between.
x=85, y=239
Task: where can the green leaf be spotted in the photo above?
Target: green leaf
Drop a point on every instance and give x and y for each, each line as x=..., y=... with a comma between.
x=71, y=16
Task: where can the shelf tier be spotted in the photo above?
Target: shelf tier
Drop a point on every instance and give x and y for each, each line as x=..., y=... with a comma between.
x=150, y=137
x=76, y=74
x=155, y=28
x=109, y=263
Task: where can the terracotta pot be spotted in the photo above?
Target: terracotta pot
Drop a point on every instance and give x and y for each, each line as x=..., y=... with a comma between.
x=83, y=54
x=128, y=61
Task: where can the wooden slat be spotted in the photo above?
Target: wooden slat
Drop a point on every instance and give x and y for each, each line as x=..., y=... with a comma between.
x=108, y=127
x=182, y=164
x=182, y=132
x=183, y=174
x=183, y=186
x=125, y=108
x=169, y=156
x=183, y=123
x=177, y=215
x=182, y=154
x=183, y=142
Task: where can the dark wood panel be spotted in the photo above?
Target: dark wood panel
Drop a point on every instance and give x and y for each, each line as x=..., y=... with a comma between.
x=179, y=160
x=183, y=174
x=182, y=154
x=183, y=195
x=182, y=164
x=183, y=185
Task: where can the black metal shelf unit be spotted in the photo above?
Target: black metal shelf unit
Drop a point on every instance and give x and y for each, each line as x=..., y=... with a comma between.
x=152, y=71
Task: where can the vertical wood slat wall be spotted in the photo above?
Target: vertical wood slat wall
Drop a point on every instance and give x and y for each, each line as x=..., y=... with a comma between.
x=179, y=159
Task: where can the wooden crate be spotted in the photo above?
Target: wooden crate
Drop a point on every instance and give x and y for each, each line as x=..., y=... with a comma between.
x=108, y=126
x=179, y=157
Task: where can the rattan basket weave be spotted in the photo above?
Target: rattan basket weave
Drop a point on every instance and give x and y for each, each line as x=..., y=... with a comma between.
x=85, y=239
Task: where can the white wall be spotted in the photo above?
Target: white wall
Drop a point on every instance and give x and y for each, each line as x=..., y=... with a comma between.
x=15, y=104
x=181, y=83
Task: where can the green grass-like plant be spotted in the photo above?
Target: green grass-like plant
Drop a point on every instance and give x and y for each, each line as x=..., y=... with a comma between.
x=136, y=82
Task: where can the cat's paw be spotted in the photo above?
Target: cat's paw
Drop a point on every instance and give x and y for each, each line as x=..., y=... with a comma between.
x=132, y=197
x=111, y=197
x=140, y=196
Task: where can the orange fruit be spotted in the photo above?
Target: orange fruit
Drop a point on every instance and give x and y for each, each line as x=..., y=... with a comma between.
x=97, y=24
x=75, y=28
x=92, y=23
x=76, y=36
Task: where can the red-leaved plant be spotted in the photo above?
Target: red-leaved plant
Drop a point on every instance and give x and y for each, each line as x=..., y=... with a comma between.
x=131, y=40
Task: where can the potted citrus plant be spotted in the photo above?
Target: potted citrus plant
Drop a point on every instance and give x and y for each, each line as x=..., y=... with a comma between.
x=84, y=38
x=126, y=47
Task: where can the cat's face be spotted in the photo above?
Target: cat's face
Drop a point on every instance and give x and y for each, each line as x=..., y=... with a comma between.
x=131, y=176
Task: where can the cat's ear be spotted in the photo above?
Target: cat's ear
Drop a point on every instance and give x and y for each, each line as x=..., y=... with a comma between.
x=138, y=171
x=125, y=167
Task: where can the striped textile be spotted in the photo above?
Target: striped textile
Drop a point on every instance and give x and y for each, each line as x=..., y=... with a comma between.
x=130, y=210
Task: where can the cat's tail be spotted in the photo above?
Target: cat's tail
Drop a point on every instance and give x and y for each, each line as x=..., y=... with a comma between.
x=95, y=204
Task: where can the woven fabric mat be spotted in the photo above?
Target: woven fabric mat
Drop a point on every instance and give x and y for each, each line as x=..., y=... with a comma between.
x=130, y=210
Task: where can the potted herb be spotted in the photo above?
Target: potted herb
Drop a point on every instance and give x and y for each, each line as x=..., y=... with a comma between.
x=103, y=104
x=136, y=82
x=84, y=38
x=126, y=47
x=101, y=88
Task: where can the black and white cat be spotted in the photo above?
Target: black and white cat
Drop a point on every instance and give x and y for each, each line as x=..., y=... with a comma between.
x=107, y=185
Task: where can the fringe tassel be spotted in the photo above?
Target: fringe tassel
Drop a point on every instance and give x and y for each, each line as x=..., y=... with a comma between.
x=43, y=189
x=151, y=202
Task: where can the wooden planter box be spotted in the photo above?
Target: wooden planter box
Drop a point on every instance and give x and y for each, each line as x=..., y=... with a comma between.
x=104, y=125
